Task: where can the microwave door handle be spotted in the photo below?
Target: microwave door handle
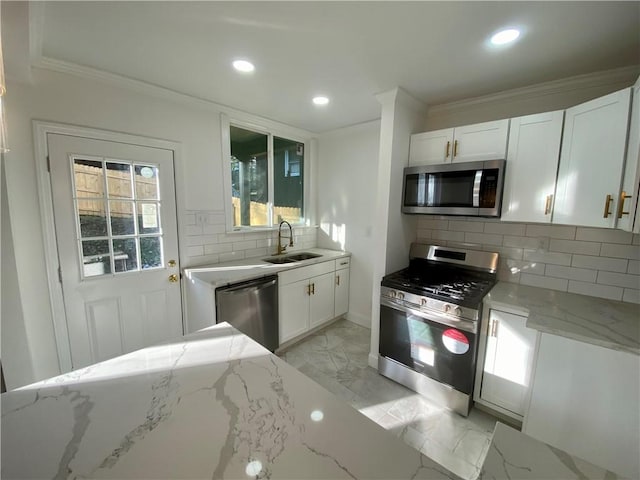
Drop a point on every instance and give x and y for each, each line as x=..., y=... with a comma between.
x=476, y=188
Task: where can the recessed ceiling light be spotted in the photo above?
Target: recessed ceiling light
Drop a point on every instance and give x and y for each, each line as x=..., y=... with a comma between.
x=320, y=100
x=505, y=36
x=243, y=66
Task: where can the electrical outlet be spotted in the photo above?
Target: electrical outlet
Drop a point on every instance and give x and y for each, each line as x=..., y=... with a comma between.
x=543, y=244
x=201, y=218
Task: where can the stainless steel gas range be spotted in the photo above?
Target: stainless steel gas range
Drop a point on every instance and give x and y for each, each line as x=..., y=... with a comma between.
x=430, y=322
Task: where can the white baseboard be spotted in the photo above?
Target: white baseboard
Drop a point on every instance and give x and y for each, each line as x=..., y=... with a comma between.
x=373, y=360
x=361, y=320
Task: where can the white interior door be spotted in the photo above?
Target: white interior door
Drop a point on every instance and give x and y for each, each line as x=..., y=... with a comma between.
x=116, y=232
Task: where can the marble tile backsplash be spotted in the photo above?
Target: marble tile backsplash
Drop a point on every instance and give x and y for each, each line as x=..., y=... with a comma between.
x=208, y=243
x=590, y=261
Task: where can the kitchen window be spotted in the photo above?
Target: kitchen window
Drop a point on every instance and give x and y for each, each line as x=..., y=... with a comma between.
x=265, y=178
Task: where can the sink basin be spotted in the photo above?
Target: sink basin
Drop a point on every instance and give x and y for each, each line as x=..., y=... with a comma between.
x=279, y=260
x=303, y=256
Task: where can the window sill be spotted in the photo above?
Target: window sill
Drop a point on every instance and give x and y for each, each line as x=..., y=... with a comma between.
x=266, y=229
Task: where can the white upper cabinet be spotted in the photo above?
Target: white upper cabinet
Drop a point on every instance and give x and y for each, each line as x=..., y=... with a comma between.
x=431, y=147
x=469, y=143
x=532, y=164
x=627, y=211
x=591, y=161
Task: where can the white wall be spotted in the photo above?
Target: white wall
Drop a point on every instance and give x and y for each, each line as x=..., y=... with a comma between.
x=402, y=115
x=62, y=98
x=347, y=172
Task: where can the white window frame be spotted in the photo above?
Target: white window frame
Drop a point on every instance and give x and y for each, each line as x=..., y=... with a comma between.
x=271, y=132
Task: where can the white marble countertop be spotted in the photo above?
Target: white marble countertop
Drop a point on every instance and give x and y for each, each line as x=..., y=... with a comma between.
x=514, y=455
x=213, y=404
x=222, y=274
x=607, y=323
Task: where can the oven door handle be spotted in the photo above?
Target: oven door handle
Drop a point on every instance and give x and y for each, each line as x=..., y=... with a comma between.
x=435, y=317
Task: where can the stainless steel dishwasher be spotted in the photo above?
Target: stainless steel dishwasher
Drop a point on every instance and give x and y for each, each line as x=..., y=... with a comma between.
x=252, y=308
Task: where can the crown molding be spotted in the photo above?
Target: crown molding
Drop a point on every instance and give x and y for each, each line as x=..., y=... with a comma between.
x=149, y=89
x=578, y=82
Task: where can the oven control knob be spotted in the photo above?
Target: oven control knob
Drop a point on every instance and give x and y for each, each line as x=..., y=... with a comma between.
x=392, y=293
x=400, y=296
x=447, y=308
x=458, y=311
x=423, y=302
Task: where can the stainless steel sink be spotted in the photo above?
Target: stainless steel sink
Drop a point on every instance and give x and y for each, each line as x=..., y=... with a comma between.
x=303, y=256
x=279, y=260
x=296, y=257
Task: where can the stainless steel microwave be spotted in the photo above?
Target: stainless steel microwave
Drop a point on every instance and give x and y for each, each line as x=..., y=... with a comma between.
x=466, y=188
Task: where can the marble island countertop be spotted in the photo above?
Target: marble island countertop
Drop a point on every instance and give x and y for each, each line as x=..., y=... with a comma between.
x=513, y=455
x=237, y=271
x=213, y=404
x=598, y=321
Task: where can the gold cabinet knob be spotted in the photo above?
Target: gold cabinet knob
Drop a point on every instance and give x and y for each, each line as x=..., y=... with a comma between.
x=173, y=278
x=171, y=263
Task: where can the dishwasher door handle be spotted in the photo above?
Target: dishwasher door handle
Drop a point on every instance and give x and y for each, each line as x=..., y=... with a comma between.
x=244, y=287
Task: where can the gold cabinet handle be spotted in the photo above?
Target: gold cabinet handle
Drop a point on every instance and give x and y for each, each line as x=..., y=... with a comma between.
x=623, y=197
x=455, y=148
x=309, y=289
x=171, y=263
x=547, y=204
x=173, y=278
x=607, y=204
x=337, y=279
x=313, y=288
x=447, y=150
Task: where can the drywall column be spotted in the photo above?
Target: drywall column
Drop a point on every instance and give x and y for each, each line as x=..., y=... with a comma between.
x=393, y=232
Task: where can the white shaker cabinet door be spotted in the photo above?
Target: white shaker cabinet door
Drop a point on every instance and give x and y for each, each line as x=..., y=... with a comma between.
x=293, y=309
x=431, y=147
x=321, y=301
x=584, y=401
x=628, y=202
x=532, y=164
x=342, y=292
x=481, y=141
x=591, y=161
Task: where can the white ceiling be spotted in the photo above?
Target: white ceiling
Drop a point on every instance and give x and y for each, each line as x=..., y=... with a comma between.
x=348, y=51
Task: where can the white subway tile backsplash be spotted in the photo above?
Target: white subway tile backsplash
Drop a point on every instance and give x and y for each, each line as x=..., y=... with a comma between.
x=520, y=266
x=547, y=257
x=447, y=235
x=505, y=228
x=553, y=231
x=600, y=263
x=433, y=224
x=603, y=235
x=619, y=279
x=231, y=256
x=195, y=250
x=634, y=267
x=267, y=242
x=506, y=252
x=571, y=273
x=595, y=290
x=483, y=238
x=213, y=229
x=423, y=233
x=218, y=248
x=216, y=219
x=630, y=295
x=244, y=245
x=631, y=252
x=532, y=243
x=255, y=252
x=193, y=230
x=573, y=246
x=466, y=226
x=543, y=282
x=189, y=219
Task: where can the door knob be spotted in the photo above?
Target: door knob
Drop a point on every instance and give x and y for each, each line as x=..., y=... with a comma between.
x=173, y=278
x=171, y=263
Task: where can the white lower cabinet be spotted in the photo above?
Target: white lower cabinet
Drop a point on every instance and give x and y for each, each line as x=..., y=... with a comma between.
x=507, y=350
x=310, y=296
x=584, y=400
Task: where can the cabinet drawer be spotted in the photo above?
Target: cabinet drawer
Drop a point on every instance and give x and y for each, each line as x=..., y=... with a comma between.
x=297, y=274
x=343, y=263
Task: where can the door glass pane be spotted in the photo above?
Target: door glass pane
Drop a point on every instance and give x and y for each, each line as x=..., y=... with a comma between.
x=95, y=257
x=148, y=217
x=93, y=218
x=249, y=177
x=122, y=222
x=88, y=178
x=125, y=254
x=146, y=182
x=150, y=252
x=119, y=180
x=288, y=179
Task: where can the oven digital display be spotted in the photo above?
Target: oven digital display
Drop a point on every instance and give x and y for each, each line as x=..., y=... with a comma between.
x=449, y=254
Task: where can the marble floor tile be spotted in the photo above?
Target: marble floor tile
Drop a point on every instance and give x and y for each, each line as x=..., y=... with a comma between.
x=337, y=358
